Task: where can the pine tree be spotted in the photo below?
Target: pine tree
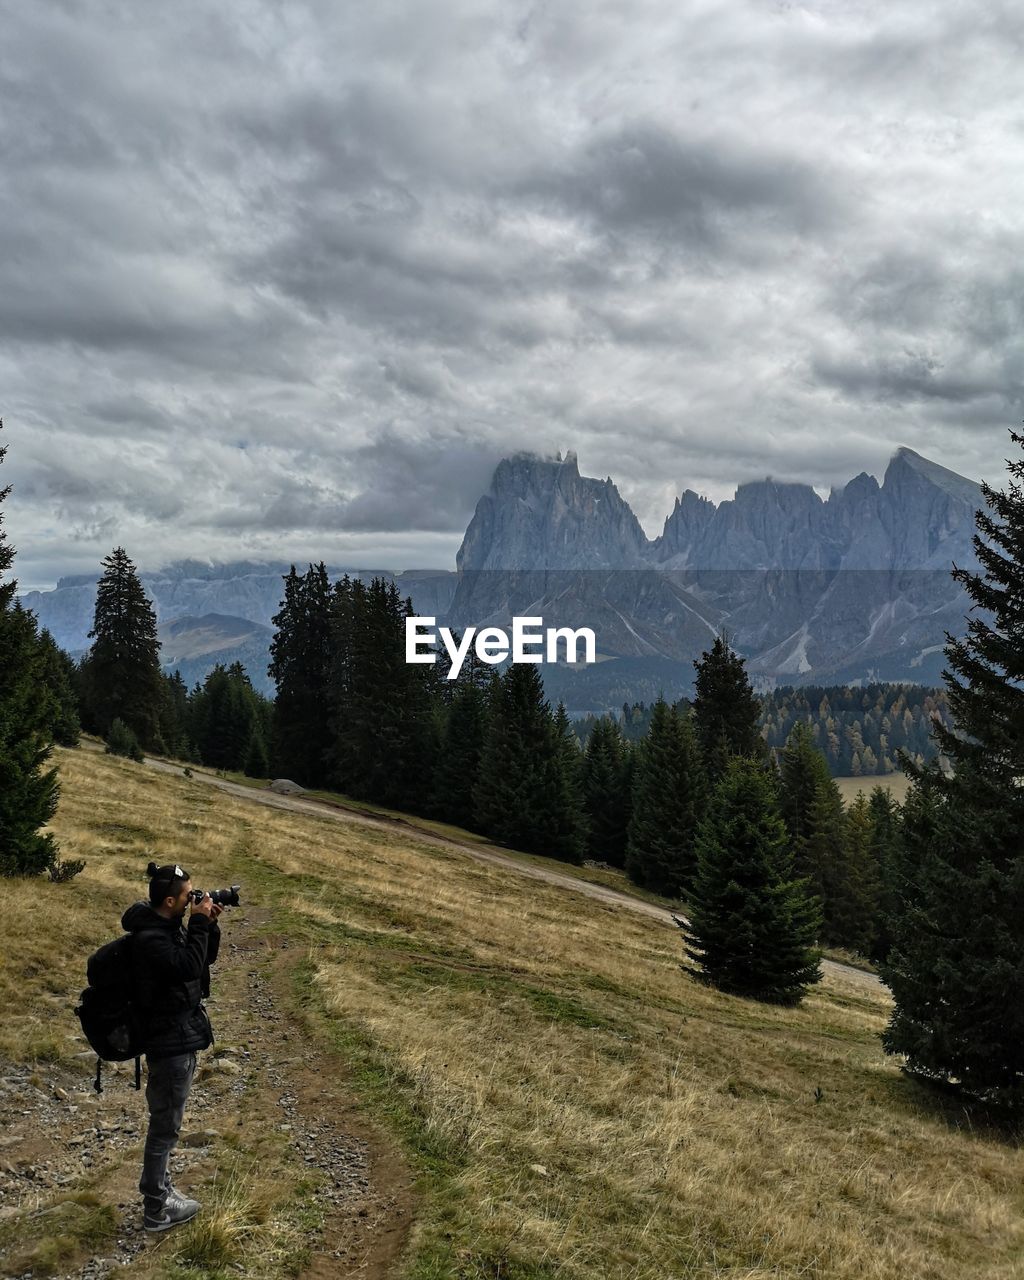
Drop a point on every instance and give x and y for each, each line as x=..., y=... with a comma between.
x=829, y=850
x=463, y=730
x=886, y=845
x=175, y=717
x=667, y=799
x=383, y=713
x=752, y=925
x=59, y=678
x=956, y=966
x=256, y=764
x=822, y=858
x=566, y=823
x=121, y=741
x=121, y=672
x=28, y=791
x=854, y=913
x=803, y=770
x=300, y=666
x=726, y=713
x=226, y=717
x=606, y=797
x=512, y=797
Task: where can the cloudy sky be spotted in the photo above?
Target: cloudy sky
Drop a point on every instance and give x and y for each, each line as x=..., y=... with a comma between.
x=287, y=279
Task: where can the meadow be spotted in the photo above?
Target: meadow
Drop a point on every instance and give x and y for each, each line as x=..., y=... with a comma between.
x=572, y=1103
x=897, y=784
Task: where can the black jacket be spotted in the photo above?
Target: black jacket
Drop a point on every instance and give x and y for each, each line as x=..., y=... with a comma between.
x=171, y=966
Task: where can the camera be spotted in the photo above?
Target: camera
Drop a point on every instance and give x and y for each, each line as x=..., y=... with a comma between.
x=223, y=897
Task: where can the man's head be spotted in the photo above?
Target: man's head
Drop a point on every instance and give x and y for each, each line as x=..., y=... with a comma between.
x=169, y=889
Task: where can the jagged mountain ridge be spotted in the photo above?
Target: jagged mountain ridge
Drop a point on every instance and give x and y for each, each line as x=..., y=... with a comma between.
x=542, y=514
x=852, y=587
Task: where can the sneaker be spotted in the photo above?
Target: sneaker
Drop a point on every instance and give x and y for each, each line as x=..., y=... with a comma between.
x=174, y=1194
x=181, y=1201
x=177, y=1209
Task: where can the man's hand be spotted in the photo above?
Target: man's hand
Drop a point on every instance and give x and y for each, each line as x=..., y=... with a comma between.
x=217, y=909
x=206, y=908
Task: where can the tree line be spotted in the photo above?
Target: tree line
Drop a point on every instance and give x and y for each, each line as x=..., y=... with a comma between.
x=862, y=732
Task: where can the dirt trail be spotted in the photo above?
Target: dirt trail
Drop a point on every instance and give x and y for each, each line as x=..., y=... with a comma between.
x=325, y=809
x=262, y=1076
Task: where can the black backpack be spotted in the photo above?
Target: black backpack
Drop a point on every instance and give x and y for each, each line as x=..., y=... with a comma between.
x=109, y=1020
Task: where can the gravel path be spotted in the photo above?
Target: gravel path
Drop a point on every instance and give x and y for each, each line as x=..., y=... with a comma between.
x=60, y=1137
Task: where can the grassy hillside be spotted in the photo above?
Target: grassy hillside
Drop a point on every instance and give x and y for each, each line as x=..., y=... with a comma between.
x=570, y=1102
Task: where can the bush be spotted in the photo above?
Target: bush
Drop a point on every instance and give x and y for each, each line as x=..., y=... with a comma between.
x=121, y=741
x=65, y=869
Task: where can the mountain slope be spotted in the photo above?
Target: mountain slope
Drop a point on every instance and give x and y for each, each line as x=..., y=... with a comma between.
x=571, y=1103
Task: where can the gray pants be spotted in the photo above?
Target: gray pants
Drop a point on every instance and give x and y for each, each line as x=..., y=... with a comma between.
x=167, y=1089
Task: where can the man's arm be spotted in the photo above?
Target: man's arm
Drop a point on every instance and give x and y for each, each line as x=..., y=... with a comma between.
x=169, y=961
x=213, y=946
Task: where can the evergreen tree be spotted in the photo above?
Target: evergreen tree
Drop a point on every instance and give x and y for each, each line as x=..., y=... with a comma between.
x=822, y=858
x=175, y=717
x=382, y=711
x=886, y=843
x=956, y=966
x=226, y=719
x=726, y=713
x=803, y=769
x=831, y=848
x=855, y=911
x=667, y=799
x=513, y=798
x=566, y=834
x=28, y=791
x=464, y=728
x=256, y=763
x=121, y=741
x=59, y=677
x=300, y=666
x=121, y=672
x=752, y=925
x=606, y=797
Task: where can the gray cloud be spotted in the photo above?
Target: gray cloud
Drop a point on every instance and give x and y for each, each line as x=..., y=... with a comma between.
x=289, y=280
x=708, y=194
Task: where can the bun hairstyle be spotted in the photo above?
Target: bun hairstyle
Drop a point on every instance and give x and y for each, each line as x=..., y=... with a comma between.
x=165, y=882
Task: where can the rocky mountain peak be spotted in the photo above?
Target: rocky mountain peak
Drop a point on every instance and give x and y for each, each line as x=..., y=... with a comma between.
x=685, y=527
x=860, y=488
x=927, y=512
x=541, y=513
x=908, y=469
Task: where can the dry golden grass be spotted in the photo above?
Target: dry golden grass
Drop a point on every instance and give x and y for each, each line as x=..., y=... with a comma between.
x=897, y=784
x=579, y=1106
x=234, y=1210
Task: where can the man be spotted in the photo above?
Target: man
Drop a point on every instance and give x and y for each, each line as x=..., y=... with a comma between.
x=171, y=964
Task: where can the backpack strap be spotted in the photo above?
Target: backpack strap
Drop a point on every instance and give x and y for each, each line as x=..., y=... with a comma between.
x=97, y=1084
x=138, y=1072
